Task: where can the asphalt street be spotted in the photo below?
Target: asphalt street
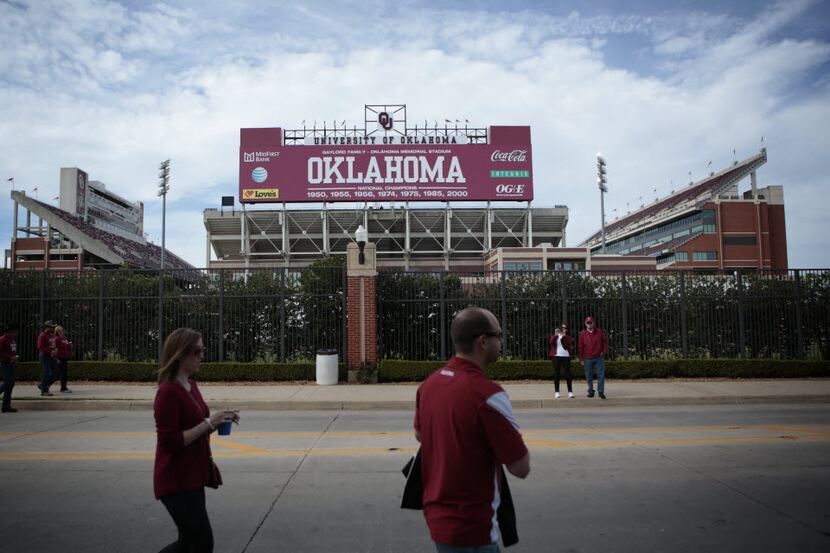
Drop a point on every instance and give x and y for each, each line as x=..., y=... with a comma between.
x=605, y=479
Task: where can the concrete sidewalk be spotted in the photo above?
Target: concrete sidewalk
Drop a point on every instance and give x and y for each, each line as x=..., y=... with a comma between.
x=532, y=395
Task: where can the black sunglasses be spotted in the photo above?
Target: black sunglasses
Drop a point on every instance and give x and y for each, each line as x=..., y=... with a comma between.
x=492, y=334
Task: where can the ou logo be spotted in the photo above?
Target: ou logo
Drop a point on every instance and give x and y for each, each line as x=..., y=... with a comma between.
x=385, y=121
x=510, y=189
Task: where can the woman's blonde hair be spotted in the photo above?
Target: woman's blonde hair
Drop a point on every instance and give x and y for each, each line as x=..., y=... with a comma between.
x=59, y=330
x=179, y=343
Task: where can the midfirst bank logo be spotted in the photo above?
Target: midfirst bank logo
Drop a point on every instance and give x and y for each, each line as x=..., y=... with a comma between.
x=258, y=157
x=259, y=174
x=261, y=194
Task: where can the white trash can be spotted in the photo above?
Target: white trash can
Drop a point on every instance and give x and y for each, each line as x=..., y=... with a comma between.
x=326, y=367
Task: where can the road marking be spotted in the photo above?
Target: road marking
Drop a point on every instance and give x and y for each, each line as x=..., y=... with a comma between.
x=537, y=440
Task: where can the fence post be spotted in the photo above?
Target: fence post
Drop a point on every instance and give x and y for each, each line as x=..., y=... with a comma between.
x=282, y=314
x=798, y=315
x=442, y=313
x=741, y=329
x=564, y=297
x=624, y=318
x=100, y=349
x=42, y=298
x=161, y=312
x=503, y=315
x=221, y=315
x=684, y=339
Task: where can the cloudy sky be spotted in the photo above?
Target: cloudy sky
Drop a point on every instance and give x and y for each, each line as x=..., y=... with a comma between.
x=660, y=88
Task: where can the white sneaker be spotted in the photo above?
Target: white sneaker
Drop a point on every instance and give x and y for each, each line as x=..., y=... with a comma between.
x=556, y=395
x=570, y=395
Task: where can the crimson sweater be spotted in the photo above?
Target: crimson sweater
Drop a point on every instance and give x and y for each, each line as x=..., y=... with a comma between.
x=567, y=343
x=178, y=467
x=592, y=344
x=8, y=348
x=44, y=343
x=64, y=348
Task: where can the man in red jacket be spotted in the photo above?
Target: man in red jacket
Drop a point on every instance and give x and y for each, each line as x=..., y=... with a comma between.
x=48, y=356
x=593, y=347
x=8, y=360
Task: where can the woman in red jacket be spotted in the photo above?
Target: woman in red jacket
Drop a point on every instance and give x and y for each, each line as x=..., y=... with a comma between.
x=183, y=427
x=561, y=351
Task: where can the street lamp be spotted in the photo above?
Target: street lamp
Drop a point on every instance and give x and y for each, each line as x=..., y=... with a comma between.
x=601, y=182
x=361, y=236
x=164, y=187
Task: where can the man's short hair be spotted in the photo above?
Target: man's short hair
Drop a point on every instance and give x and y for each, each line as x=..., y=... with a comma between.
x=469, y=324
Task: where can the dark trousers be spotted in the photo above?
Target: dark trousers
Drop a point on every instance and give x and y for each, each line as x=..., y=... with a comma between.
x=560, y=363
x=8, y=382
x=59, y=372
x=190, y=515
x=47, y=365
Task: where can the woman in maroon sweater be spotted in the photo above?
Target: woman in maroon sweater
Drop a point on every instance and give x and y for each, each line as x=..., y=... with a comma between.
x=183, y=427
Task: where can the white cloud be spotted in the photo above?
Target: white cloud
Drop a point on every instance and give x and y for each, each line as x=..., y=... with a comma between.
x=180, y=85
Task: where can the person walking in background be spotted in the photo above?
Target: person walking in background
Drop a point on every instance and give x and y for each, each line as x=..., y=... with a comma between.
x=467, y=430
x=48, y=355
x=561, y=351
x=184, y=465
x=8, y=363
x=64, y=354
x=593, y=347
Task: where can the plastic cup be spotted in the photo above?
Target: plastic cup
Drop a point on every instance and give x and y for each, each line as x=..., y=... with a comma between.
x=225, y=428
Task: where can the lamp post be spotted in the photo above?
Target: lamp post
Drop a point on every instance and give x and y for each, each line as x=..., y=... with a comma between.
x=164, y=187
x=361, y=236
x=601, y=182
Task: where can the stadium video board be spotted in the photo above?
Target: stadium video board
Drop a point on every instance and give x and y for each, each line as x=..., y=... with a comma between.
x=392, y=162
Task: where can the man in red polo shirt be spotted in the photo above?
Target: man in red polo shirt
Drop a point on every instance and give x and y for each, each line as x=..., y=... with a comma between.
x=467, y=431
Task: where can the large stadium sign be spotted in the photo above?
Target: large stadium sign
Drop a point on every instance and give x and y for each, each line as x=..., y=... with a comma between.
x=385, y=161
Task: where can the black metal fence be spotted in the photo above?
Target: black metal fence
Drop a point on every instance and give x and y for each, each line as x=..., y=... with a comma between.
x=657, y=314
x=253, y=315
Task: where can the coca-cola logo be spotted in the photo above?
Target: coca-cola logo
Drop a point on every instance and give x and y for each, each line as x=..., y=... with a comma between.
x=506, y=157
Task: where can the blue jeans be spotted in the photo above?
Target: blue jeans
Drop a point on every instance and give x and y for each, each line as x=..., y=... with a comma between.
x=47, y=366
x=8, y=383
x=597, y=363
x=489, y=548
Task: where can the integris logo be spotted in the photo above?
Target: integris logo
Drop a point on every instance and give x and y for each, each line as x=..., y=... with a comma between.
x=507, y=157
x=261, y=194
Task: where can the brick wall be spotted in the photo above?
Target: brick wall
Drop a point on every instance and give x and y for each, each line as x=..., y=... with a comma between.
x=353, y=320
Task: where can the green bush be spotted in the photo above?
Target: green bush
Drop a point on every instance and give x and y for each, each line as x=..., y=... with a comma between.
x=413, y=371
x=108, y=371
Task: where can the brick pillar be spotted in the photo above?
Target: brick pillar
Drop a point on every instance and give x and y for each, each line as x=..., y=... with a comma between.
x=361, y=310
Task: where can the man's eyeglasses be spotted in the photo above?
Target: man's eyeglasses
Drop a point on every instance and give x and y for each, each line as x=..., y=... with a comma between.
x=492, y=334
x=199, y=351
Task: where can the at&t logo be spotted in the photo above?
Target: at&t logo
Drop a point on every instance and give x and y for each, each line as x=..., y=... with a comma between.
x=259, y=174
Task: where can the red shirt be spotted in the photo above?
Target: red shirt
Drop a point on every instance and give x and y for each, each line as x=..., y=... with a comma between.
x=44, y=343
x=178, y=467
x=8, y=347
x=467, y=430
x=64, y=347
x=592, y=344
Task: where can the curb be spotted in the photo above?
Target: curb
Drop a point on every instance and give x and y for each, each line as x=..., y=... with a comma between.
x=405, y=405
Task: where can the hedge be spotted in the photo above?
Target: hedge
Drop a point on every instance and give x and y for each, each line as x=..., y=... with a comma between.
x=409, y=371
x=108, y=371
x=414, y=371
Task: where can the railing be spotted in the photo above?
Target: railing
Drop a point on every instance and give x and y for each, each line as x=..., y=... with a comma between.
x=253, y=315
x=656, y=314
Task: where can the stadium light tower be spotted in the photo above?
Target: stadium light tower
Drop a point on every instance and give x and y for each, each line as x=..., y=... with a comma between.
x=164, y=187
x=601, y=182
